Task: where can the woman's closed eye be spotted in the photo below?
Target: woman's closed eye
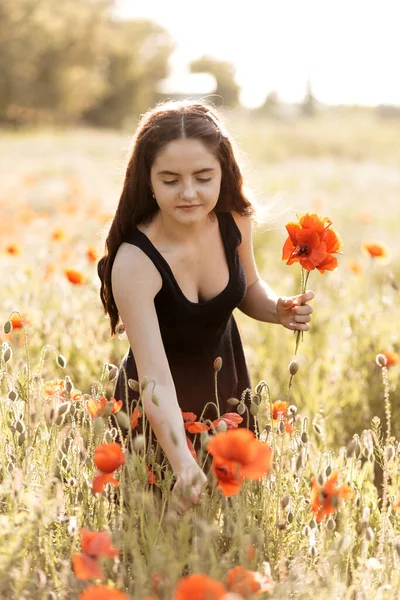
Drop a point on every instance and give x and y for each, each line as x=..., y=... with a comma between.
x=198, y=179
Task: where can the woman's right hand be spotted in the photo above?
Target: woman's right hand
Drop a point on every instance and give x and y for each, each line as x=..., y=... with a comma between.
x=188, y=489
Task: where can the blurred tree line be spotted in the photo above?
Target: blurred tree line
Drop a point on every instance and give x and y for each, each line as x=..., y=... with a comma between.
x=72, y=61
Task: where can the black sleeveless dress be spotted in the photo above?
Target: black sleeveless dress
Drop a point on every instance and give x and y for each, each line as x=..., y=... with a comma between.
x=194, y=335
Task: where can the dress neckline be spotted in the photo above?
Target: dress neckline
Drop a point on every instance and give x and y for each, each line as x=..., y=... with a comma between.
x=173, y=278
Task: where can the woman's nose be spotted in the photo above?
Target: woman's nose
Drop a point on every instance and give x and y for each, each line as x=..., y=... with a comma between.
x=188, y=192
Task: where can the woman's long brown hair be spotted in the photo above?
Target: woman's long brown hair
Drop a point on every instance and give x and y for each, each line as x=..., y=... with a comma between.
x=166, y=122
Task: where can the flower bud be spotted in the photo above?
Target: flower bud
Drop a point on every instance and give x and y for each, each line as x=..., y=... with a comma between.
x=63, y=410
x=98, y=427
x=68, y=385
x=204, y=439
x=369, y=534
x=122, y=419
x=281, y=427
x=290, y=517
x=304, y=437
x=317, y=429
x=222, y=426
x=7, y=327
x=61, y=361
x=293, y=367
x=241, y=408
x=397, y=546
x=108, y=409
x=20, y=427
x=12, y=395
x=155, y=400
x=328, y=470
x=285, y=500
x=233, y=401
x=144, y=383
x=21, y=438
x=292, y=409
x=366, y=513
x=389, y=453
x=138, y=442
x=7, y=354
x=113, y=373
x=331, y=525
x=217, y=364
x=381, y=360
x=254, y=409
x=134, y=385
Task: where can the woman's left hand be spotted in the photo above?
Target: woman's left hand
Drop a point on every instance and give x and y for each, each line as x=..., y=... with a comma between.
x=294, y=312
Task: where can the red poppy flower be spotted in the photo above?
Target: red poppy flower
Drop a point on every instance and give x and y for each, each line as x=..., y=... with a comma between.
x=57, y=234
x=376, y=250
x=13, y=249
x=396, y=504
x=96, y=407
x=97, y=543
x=392, y=358
x=17, y=321
x=91, y=254
x=151, y=478
x=102, y=592
x=108, y=457
x=100, y=480
x=94, y=544
x=192, y=450
x=232, y=420
x=312, y=242
x=238, y=454
x=134, y=420
x=279, y=413
x=245, y=583
x=198, y=587
x=325, y=498
x=74, y=276
x=86, y=567
x=191, y=425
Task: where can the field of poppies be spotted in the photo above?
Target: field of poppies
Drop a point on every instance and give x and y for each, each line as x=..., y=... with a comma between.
x=310, y=507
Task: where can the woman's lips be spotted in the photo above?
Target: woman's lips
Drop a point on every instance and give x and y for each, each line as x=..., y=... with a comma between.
x=189, y=206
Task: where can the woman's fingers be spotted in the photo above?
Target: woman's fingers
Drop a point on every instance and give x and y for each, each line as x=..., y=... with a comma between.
x=302, y=318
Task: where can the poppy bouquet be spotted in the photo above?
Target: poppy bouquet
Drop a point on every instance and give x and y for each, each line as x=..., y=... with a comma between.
x=312, y=242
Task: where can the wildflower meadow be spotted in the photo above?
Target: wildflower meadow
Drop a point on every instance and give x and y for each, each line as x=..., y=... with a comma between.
x=307, y=508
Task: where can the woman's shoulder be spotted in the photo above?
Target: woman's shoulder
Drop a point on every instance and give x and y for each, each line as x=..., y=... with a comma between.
x=132, y=263
x=244, y=224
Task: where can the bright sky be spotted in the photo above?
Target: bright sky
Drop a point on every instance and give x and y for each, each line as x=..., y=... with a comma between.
x=351, y=48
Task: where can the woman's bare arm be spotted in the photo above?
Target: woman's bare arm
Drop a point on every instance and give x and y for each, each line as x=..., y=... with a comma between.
x=261, y=302
x=135, y=283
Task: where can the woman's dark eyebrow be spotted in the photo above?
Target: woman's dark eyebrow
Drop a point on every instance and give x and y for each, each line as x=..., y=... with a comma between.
x=205, y=170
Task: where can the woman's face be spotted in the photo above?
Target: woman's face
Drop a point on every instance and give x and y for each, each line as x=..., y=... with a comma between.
x=186, y=178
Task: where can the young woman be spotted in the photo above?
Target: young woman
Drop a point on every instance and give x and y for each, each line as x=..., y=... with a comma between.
x=178, y=260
